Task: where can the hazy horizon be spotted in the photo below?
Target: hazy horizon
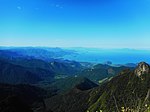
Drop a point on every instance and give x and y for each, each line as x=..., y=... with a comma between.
x=91, y=55
x=74, y=47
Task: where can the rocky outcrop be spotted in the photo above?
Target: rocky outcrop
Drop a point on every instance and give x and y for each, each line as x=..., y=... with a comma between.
x=141, y=69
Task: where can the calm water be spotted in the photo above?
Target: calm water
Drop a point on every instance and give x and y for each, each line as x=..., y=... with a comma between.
x=115, y=56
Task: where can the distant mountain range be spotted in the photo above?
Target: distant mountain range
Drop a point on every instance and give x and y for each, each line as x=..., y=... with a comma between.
x=15, y=69
x=35, y=80
x=43, y=53
x=92, y=55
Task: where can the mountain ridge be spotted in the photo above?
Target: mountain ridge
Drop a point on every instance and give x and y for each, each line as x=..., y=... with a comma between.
x=126, y=90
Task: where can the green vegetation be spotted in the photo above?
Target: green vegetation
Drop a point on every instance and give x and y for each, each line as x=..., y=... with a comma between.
x=67, y=86
x=101, y=72
x=125, y=92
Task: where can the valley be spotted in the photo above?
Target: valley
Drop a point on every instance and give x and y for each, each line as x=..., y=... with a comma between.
x=38, y=84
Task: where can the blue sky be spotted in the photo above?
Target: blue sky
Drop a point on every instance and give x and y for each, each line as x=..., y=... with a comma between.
x=75, y=23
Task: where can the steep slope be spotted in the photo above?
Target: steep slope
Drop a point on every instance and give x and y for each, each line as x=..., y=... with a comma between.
x=126, y=92
x=74, y=100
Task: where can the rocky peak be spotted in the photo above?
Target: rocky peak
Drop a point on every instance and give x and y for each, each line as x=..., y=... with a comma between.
x=141, y=69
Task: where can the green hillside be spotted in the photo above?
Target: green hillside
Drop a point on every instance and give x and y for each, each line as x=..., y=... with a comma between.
x=126, y=92
x=101, y=71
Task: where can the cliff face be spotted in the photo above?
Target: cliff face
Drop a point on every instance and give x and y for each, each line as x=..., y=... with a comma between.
x=141, y=69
